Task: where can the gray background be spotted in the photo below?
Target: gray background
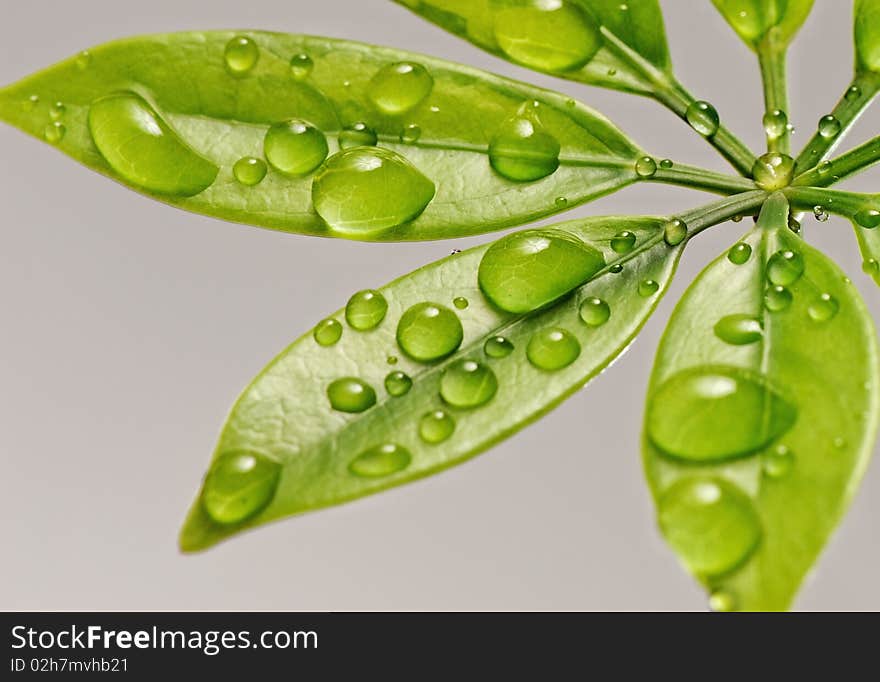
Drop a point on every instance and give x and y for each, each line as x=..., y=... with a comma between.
x=129, y=327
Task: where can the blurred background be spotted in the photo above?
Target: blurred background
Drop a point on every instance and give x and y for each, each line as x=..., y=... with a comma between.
x=129, y=328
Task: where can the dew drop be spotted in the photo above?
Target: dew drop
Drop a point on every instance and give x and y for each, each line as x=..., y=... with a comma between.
x=648, y=287
x=398, y=384
x=773, y=171
x=56, y=113
x=702, y=117
x=429, y=331
x=617, y=268
x=561, y=202
x=249, y=171
x=468, y=384
x=594, y=312
x=436, y=427
x=460, y=302
x=715, y=413
x=358, y=135
x=785, y=268
x=868, y=218
x=739, y=329
x=301, y=66
x=666, y=164
x=497, y=347
x=829, y=127
x=522, y=151
x=825, y=167
x=739, y=254
x=823, y=308
x=820, y=214
x=871, y=266
x=554, y=35
x=327, y=332
x=351, y=395
x=241, y=55
x=142, y=148
x=552, y=349
x=530, y=269
x=239, y=485
x=777, y=298
x=623, y=242
x=794, y=224
x=295, y=147
x=737, y=218
x=30, y=103
x=364, y=190
x=54, y=132
x=366, y=310
x=391, y=359
x=381, y=460
x=853, y=93
x=674, y=232
x=777, y=461
x=400, y=87
x=83, y=60
x=722, y=601
x=646, y=167
x=411, y=134
x=775, y=124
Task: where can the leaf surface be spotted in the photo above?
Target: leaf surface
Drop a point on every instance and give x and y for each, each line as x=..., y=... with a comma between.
x=867, y=35
x=753, y=20
x=761, y=415
x=171, y=116
x=285, y=417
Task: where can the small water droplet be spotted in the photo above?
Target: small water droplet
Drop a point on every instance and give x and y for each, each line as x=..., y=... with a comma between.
x=391, y=359
x=666, y=164
x=295, y=147
x=722, y=601
x=239, y=485
x=737, y=218
x=56, y=113
x=54, y=132
x=358, y=135
x=871, y=266
x=674, y=232
x=561, y=202
x=648, y=287
x=436, y=427
x=428, y=332
x=868, y=218
x=398, y=383
x=646, y=167
x=552, y=349
x=820, y=214
x=710, y=523
x=777, y=298
x=739, y=254
x=497, y=347
x=594, y=312
x=522, y=151
x=30, y=103
x=460, y=302
x=785, y=267
x=381, y=460
x=623, y=242
x=350, y=394
x=773, y=171
x=853, y=93
x=794, y=224
x=617, y=268
x=702, y=117
x=825, y=167
x=468, y=384
x=739, y=329
x=777, y=461
x=301, y=66
x=400, y=87
x=829, y=127
x=249, y=171
x=411, y=134
x=775, y=123
x=327, y=332
x=241, y=55
x=365, y=310
x=83, y=60
x=823, y=308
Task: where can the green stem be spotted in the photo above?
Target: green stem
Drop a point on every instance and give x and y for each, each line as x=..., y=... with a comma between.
x=830, y=172
x=854, y=101
x=699, y=178
x=841, y=203
x=703, y=217
x=771, y=57
x=671, y=94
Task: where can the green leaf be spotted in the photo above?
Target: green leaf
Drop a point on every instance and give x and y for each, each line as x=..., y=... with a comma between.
x=867, y=35
x=172, y=116
x=761, y=415
x=757, y=20
x=393, y=428
x=580, y=40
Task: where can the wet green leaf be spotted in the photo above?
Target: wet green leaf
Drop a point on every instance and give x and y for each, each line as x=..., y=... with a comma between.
x=757, y=435
x=753, y=20
x=867, y=34
x=481, y=374
x=172, y=116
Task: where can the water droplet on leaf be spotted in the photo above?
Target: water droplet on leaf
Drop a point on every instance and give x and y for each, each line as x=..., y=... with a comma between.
x=739, y=329
x=468, y=384
x=702, y=117
x=365, y=310
x=522, y=151
x=398, y=383
x=400, y=87
x=295, y=147
x=54, y=132
x=249, y=171
x=552, y=349
x=436, y=427
x=381, y=460
x=773, y=171
x=301, y=66
x=594, y=312
x=429, y=331
x=785, y=267
x=739, y=254
x=646, y=167
x=351, y=395
x=623, y=242
x=823, y=308
x=777, y=298
x=239, y=485
x=358, y=135
x=868, y=218
x=777, y=461
x=674, y=232
x=497, y=347
x=241, y=55
x=648, y=287
x=460, y=302
x=327, y=332
x=411, y=134
x=829, y=127
x=775, y=123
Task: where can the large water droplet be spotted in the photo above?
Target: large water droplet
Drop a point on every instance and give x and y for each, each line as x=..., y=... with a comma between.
x=350, y=394
x=777, y=298
x=552, y=349
x=497, y=347
x=295, y=147
x=522, y=151
x=739, y=254
x=710, y=523
x=775, y=123
x=823, y=308
x=785, y=268
x=623, y=242
x=467, y=384
x=358, y=135
x=773, y=171
x=436, y=427
x=646, y=167
x=869, y=218
x=674, y=232
x=381, y=460
x=239, y=485
x=739, y=330
x=364, y=190
x=715, y=413
x=648, y=287
x=594, y=312
x=829, y=127
x=400, y=87
x=398, y=383
x=142, y=148
x=249, y=171
x=702, y=117
x=365, y=310
x=241, y=55
x=530, y=269
x=548, y=35
x=429, y=331
x=327, y=332
x=301, y=66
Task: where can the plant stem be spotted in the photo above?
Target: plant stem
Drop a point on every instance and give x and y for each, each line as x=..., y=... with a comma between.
x=834, y=201
x=771, y=57
x=671, y=94
x=854, y=101
x=703, y=217
x=699, y=178
x=854, y=161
